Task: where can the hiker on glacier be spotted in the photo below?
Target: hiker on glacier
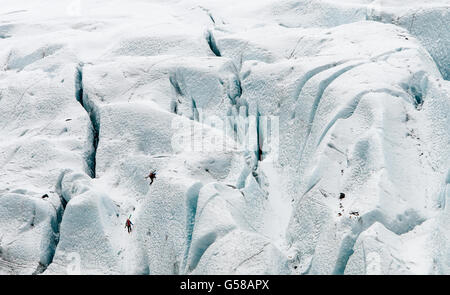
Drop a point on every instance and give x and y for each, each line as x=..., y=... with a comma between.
x=128, y=225
x=151, y=176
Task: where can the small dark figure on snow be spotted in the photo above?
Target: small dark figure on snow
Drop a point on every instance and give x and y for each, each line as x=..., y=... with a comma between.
x=45, y=196
x=341, y=196
x=128, y=225
x=151, y=176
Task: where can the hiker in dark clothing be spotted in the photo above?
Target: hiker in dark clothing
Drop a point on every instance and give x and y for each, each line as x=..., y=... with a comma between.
x=151, y=176
x=128, y=225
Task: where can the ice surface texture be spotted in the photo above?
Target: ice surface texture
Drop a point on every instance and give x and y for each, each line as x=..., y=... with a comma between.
x=93, y=94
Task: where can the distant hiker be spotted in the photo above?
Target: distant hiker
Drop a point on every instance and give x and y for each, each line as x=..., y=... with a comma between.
x=128, y=225
x=151, y=176
x=341, y=196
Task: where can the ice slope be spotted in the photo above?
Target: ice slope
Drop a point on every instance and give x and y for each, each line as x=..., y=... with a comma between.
x=35, y=142
x=96, y=94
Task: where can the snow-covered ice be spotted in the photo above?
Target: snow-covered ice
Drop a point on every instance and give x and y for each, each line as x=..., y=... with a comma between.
x=352, y=175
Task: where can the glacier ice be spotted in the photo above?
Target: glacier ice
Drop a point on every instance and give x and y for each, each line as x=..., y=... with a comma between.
x=351, y=177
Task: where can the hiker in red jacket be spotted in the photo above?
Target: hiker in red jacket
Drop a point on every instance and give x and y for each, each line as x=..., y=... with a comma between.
x=152, y=176
x=128, y=225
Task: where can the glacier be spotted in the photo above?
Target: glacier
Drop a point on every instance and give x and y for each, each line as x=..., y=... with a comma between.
x=288, y=137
